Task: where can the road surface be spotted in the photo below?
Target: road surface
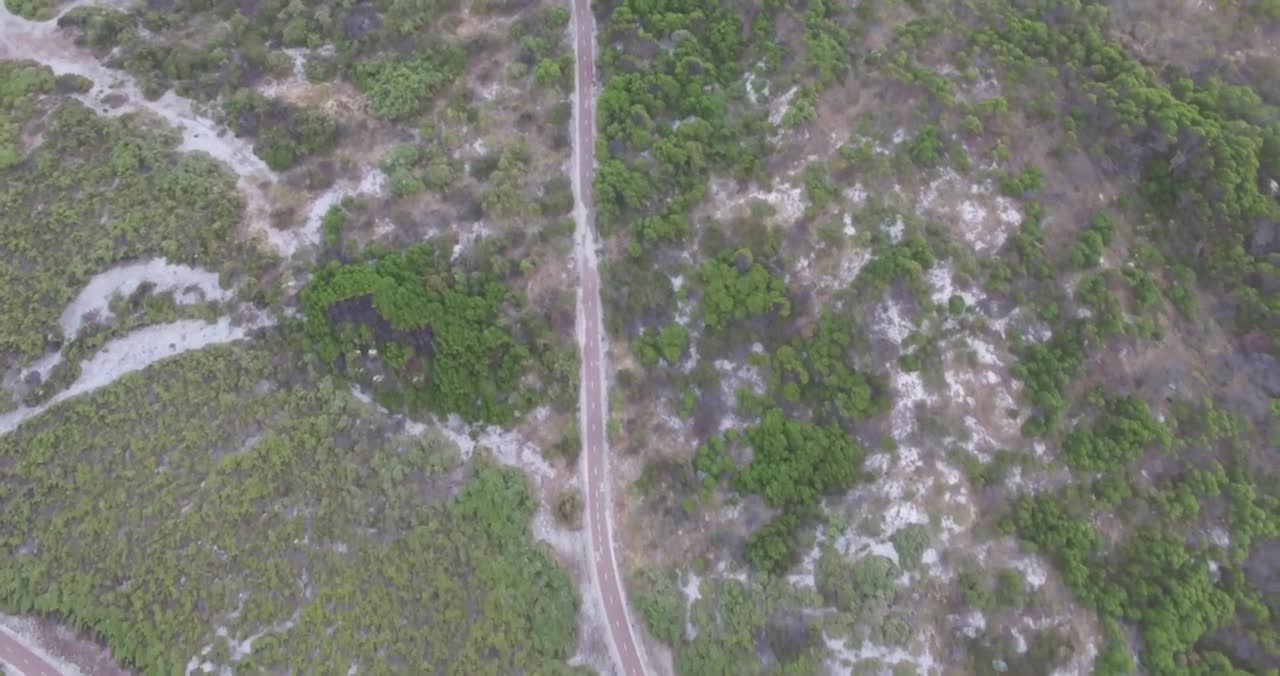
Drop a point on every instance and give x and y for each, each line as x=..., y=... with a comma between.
x=16, y=656
x=595, y=467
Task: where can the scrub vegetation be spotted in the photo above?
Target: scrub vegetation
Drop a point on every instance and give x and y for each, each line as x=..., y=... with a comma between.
x=147, y=200
x=245, y=507
x=944, y=335
x=243, y=492
x=975, y=285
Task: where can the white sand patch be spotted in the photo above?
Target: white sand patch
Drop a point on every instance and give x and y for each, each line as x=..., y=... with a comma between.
x=857, y=196
x=93, y=300
x=757, y=88
x=137, y=351
x=490, y=91
x=1008, y=210
x=467, y=238
x=972, y=213
x=297, y=76
x=724, y=572
x=854, y=546
x=1032, y=568
x=845, y=660
x=985, y=352
x=982, y=220
x=941, y=280
x=692, y=590
x=973, y=624
x=732, y=378
x=787, y=199
x=896, y=230
x=1082, y=662
x=893, y=324
x=848, y=265
x=802, y=576
x=371, y=184
x=946, y=178
x=1019, y=641
x=903, y=514
x=240, y=649
x=14, y=379
x=778, y=107
x=909, y=392
x=506, y=445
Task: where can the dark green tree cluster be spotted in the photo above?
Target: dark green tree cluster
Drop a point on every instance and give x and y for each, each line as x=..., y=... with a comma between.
x=668, y=344
x=736, y=622
x=283, y=134
x=399, y=88
x=21, y=82
x=1046, y=369
x=1207, y=150
x=794, y=463
x=818, y=371
x=1023, y=183
x=1123, y=430
x=411, y=168
x=387, y=51
x=664, y=114
x=1093, y=240
x=827, y=38
x=865, y=587
x=441, y=330
x=1167, y=590
x=735, y=288
x=904, y=262
x=1155, y=577
x=659, y=600
x=541, y=47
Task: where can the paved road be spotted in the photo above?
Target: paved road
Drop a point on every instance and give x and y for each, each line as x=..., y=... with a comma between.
x=27, y=663
x=595, y=450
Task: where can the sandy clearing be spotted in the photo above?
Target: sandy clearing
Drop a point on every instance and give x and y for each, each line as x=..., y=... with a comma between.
x=289, y=242
x=123, y=280
x=137, y=351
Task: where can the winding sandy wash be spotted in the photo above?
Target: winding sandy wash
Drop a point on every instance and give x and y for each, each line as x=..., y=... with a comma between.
x=117, y=93
x=137, y=351
x=123, y=280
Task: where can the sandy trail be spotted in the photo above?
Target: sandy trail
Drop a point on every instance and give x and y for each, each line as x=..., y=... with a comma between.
x=117, y=93
x=137, y=351
x=123, y=280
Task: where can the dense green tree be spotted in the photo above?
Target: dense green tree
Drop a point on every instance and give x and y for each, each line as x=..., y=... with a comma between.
x=735, y=288
x=795, y=462
x=465, y=359
x=1123, y=430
